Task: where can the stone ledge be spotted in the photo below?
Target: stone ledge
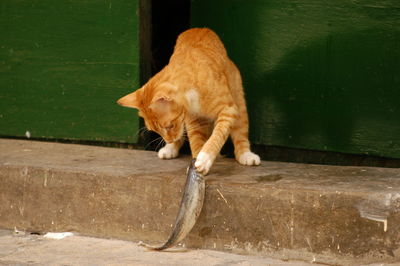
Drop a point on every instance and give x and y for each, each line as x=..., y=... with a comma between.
x=323, y=213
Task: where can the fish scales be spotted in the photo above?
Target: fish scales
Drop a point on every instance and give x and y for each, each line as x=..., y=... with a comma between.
x=189, y=209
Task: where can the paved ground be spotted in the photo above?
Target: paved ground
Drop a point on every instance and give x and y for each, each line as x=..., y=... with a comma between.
x=27, y=249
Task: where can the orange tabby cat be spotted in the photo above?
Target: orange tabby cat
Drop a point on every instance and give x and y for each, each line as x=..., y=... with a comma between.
x=200, y=91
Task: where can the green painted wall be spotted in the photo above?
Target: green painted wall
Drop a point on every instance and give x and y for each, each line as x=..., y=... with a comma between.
x=63, y=64
x=320, y=75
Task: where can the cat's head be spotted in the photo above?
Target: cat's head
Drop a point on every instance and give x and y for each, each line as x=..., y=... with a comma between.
x=160, y=110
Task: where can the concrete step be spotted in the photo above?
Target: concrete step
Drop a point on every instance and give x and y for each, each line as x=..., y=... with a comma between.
x=327, y=214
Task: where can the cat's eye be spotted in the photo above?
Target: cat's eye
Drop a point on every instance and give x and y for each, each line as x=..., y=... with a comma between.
x=169, y=127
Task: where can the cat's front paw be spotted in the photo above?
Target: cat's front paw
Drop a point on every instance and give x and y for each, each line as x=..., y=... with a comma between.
x=169, y=151
x=204, y=162
x=249, y=158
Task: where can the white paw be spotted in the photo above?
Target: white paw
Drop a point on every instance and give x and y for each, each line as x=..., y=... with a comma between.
x=204, y=162
x=168, y=152
x=249, y=158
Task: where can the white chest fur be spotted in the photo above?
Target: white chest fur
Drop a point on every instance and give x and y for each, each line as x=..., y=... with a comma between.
x=193, y=100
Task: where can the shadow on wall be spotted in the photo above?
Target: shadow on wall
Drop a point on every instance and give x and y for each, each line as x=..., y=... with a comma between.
x=338, y=93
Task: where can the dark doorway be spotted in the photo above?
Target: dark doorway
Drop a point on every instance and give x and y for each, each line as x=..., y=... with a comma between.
x=169, y=19
x=161, y=23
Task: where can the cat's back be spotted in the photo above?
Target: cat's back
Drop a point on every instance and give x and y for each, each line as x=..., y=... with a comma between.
x=200, y=38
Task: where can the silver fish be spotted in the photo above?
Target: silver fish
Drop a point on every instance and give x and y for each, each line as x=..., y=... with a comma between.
x=190, y=208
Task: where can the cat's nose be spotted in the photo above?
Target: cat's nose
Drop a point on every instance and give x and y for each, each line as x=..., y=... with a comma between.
x=167, y=140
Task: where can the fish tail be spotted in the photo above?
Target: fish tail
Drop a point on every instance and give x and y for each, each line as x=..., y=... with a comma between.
x=153, y=248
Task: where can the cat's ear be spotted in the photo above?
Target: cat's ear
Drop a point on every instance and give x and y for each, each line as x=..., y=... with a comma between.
x=161, y=103
x=132, y=100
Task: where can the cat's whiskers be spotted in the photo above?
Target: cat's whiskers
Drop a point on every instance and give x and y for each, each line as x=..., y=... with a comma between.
x=160, y=143
x=151, y=142
x=142, y=130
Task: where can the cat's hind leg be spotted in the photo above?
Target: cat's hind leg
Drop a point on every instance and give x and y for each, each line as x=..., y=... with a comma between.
x=240, y=139
x=240, y=129
x=171, y=150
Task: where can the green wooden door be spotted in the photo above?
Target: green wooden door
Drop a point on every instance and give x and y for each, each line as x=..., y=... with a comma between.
x=319, y=75
x=63, y=64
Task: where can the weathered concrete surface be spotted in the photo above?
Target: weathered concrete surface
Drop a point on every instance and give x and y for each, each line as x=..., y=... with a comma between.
x=342, y=215
x=26, y=249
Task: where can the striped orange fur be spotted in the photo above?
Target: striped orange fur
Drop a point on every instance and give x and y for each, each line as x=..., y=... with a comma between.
x=199, y=92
